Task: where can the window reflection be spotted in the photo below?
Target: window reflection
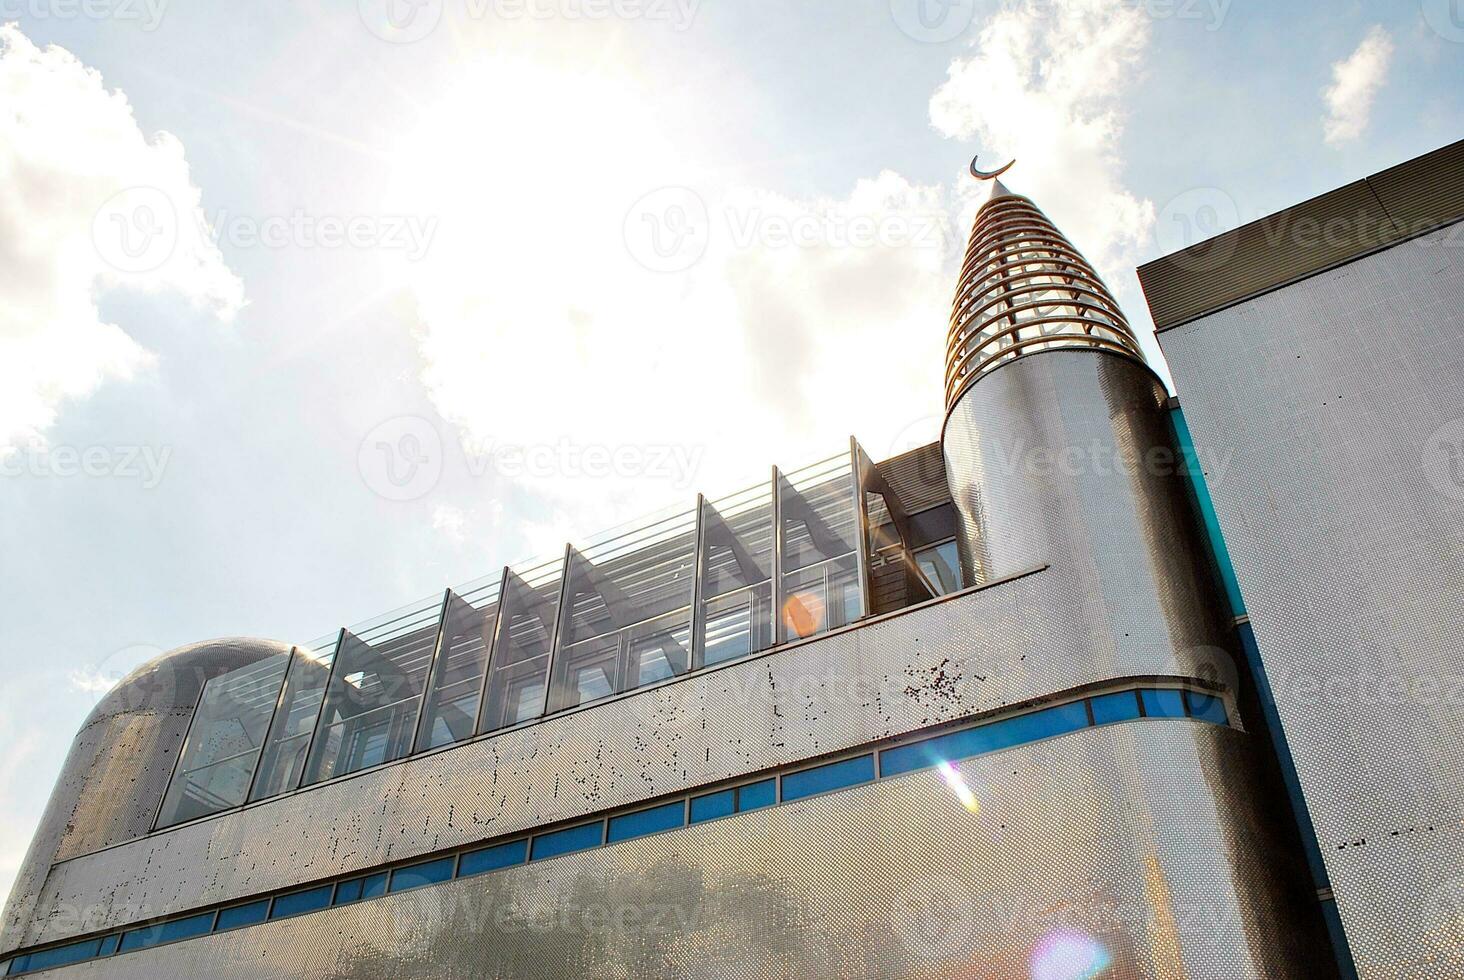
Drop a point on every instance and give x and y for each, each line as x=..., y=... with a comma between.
x=375, y=692
x=520, y=660
x=942, y=566
x=450, y=713
x=283, y=760
x=821, y=571
x=626, y=620
x=224, y=742
x=737, y=568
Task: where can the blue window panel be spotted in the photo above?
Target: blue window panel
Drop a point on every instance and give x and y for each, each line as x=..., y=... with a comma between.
x=987, y=738
x=712, y=806
x=835, y=775
x=426, y=873
x=348, y=891
x=194, y=925
x=242, y=915
x=1115, y=707
x=755, y=796
x=644, y=822
x=60, y=956
x=373, y=885
x=566, y=841
x=493, y=858
x=298, y=903
x=1203, y=707
x=109, y=944
x=1163, y=704
x=18, y=965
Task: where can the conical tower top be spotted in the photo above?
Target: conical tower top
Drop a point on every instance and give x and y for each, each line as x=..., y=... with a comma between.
x=1024, y=288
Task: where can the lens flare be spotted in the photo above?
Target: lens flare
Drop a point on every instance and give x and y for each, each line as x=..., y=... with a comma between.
x=1069, y=955
x=957, y=783
x=803, y=612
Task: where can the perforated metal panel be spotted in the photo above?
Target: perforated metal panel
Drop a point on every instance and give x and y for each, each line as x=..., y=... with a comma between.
x=118, y=768
x=1329, y=416
x=974, y=653
x=1132, y=844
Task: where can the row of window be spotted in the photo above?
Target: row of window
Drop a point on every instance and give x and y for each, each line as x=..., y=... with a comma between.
x=727, y=579
x=764, y=791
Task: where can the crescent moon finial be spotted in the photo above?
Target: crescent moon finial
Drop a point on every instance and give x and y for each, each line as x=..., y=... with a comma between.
x=980, y=174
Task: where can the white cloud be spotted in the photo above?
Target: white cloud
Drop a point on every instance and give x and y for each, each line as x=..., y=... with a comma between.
x=76, y=176
x=1046, y=83
x=1355, y=83
x=543, y=328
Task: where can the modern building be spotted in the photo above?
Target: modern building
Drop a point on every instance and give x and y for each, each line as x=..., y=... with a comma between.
x=1002, y=706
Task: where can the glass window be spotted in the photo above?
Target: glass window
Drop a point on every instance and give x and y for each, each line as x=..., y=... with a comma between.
x=375, y=692
x=167, y=932
x=60, y=956
x=627, y=615
x=736, y=570
x=243, y=915
x=348, y=891
x=643, y=822
x=283, y=761
x=298, y=903
x=109, y=944
x=373, y=885
x=820, y=533
x=1163, y=704
x=567, y=841
x=425, y=873
x=755, y=796
x=224, y=741
x=450, y=713
x=1115, y=707
x=713, y=805
x=991, y=737
x=1204, y=707
x=941, y=564
x=493, y=858
x=520, y=661
x=835, y=775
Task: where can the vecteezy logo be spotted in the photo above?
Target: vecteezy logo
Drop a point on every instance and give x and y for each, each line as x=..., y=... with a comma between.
x=400, y=21
x=1443, y=460
x=668, y=230
x=1197, y=216
x=136, y=230
x=1446, y=17
x=936, y=918
x=933, y=21
x=401, y=459
x=97, y=680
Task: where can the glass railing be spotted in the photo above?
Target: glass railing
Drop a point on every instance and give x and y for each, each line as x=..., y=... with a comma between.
x=687, y=590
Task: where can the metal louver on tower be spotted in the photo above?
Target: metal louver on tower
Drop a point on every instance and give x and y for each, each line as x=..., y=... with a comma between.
x=1024, y=288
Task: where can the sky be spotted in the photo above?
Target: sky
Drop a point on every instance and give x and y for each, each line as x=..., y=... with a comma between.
x=311, y=309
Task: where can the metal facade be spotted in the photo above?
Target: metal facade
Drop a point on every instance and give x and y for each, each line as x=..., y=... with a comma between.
x=1135, y=843
x=1329, y=416
x=974, y=653
x=113, y=779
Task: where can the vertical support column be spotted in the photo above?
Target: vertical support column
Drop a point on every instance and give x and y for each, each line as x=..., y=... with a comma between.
x=856, y=472
x=492, y=649
x=335, y=662
x=779, y=630
x=699, y=565
x=559, y=613
x=431, y=678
